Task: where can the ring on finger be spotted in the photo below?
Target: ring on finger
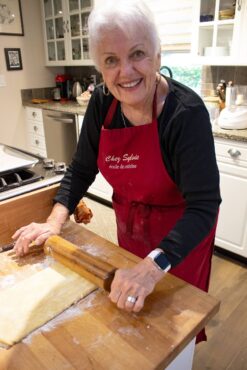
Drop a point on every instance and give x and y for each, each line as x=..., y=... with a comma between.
x=131, y=299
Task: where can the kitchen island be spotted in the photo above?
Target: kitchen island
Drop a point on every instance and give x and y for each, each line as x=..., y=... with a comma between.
x=94, y=334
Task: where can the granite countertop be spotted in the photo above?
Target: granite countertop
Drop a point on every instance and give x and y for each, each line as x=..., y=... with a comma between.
x=74, y=107
x=66, y=106
x=238, y=135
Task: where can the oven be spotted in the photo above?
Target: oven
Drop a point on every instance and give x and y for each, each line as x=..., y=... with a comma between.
x=22, y=172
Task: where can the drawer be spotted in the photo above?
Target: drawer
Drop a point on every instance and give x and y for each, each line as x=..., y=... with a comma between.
x=34, y=114
x=36, y=141
x=35, y=127
x=231, y=152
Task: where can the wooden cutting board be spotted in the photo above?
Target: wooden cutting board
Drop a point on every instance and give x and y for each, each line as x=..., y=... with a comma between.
x=94, y=334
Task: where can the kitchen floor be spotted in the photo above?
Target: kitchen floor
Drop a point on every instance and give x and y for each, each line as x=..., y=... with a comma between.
x=226, y=347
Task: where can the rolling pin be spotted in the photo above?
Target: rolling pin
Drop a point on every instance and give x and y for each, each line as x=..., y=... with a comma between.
x=90, y=267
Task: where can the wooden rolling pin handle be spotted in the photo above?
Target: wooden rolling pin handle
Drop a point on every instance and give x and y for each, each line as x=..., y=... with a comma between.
x=92, y=268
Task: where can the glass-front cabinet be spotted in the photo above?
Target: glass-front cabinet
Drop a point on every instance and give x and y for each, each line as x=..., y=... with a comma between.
x=221, y=32
x=66, y=31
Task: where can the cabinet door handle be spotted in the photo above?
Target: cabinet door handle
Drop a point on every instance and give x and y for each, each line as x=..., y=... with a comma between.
x=239, y=5
x=67, y=26
x=234, y=153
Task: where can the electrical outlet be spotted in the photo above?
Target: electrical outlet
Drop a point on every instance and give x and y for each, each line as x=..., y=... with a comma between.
x=2, y=81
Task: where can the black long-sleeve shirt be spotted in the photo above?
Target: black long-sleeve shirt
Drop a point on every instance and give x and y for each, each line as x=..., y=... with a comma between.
x=188, y=152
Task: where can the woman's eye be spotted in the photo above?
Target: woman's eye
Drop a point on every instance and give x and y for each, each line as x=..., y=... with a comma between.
x=111, y=61
x=138, y=54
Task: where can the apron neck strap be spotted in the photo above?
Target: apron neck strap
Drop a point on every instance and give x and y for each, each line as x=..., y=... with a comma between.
x=113, y=107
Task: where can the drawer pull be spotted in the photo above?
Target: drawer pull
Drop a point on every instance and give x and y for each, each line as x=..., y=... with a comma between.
x=35, y=128
x=234, y=153
x=37, y=142
x=34, y=114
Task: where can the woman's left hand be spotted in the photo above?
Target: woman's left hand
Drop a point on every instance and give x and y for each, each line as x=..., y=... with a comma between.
x=131, y=286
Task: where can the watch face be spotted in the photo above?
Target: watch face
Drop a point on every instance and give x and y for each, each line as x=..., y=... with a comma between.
x=162, y=261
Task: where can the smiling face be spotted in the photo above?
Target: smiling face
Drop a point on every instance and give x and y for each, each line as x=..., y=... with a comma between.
x=128, y=63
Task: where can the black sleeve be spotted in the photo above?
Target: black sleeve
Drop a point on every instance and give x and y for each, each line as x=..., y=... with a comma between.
x=83, y=168
x=188, y=145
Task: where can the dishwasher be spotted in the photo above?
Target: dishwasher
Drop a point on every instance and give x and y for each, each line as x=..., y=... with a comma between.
x=60, y=135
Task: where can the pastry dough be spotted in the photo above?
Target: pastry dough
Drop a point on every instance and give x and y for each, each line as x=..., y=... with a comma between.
x=37, y=299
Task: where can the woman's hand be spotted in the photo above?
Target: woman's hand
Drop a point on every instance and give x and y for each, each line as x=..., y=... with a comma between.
x=37, y=233
x=33, y=233
x=137, y=282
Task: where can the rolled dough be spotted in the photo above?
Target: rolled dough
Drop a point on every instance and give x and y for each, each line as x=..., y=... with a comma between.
x=35, y=300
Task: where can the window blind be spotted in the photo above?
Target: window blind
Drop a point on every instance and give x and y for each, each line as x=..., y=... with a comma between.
x=174, y=19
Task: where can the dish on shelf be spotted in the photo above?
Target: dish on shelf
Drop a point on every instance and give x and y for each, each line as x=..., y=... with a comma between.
x=227, y=13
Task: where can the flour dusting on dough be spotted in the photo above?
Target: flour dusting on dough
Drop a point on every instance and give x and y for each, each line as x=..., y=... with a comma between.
x=71, y=312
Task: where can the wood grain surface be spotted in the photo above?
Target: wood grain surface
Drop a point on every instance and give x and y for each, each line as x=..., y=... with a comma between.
x=95, y=334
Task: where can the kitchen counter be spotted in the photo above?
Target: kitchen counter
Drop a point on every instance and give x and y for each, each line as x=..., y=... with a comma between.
x=66, y=107
x=238, y=135
x=95, y=334
x=74, y=107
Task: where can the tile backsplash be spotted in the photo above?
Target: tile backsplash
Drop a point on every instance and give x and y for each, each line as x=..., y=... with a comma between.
x=79, y=73
x=211, y=76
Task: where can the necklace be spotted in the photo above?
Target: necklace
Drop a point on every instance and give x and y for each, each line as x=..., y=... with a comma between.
x=122, y=116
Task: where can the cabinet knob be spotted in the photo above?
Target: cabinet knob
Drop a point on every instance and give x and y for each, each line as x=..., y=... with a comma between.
x=37, y=142
x=34, y=114
x=234, y=153
x=35, y=128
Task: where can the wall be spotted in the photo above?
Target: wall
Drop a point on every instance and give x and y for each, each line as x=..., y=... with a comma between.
x=34, y=74
x=211, y=76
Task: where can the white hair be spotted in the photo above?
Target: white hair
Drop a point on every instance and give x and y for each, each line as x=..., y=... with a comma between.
x=125, y=15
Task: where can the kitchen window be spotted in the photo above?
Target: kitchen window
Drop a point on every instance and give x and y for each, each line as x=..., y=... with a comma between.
x=186, y=72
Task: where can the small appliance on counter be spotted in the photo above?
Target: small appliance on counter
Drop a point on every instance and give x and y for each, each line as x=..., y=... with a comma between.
x=63, y=83
x=76, y=89
x=234, y=115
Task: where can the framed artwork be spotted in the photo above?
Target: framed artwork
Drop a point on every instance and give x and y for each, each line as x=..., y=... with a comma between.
x=13, y=59
x=11, y=18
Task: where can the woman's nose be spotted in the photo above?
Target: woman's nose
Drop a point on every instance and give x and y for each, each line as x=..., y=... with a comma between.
x=126, y=68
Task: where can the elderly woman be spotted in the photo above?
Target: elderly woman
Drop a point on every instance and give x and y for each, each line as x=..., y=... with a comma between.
x=151, y=138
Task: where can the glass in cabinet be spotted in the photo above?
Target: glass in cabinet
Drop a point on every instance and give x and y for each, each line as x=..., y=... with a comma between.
x=54, y=30
x=66, y=31
x=218, y=28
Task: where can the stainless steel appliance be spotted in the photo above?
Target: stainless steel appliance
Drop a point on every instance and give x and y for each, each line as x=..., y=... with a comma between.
x=22, y=172
x=60, y=135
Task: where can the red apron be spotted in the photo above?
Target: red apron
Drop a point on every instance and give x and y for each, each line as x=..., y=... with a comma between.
x=146, y=201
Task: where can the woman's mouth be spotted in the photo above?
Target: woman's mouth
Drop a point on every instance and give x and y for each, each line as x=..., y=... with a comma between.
x=128, y=85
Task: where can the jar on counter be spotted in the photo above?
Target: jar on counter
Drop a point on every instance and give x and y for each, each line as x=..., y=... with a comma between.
x=213, y=106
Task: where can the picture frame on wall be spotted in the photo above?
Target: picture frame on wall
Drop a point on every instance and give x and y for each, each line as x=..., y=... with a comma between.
x=11, y=22
x=13, y=59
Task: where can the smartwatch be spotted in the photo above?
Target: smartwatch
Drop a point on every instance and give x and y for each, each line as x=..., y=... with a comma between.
x=160, y=259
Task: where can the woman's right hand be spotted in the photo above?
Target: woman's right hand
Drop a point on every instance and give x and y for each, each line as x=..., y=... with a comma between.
x=35, y=233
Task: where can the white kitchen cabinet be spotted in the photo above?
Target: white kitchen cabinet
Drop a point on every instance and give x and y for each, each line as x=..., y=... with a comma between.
x=220, y=39
x=66, y=32
x=35, y=131
x=100, y=187
x=231, y=231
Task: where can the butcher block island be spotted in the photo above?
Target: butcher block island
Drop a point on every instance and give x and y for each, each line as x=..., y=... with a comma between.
x=93, y=333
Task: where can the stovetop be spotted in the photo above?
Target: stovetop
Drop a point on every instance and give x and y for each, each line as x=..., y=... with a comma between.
x=28, y=179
